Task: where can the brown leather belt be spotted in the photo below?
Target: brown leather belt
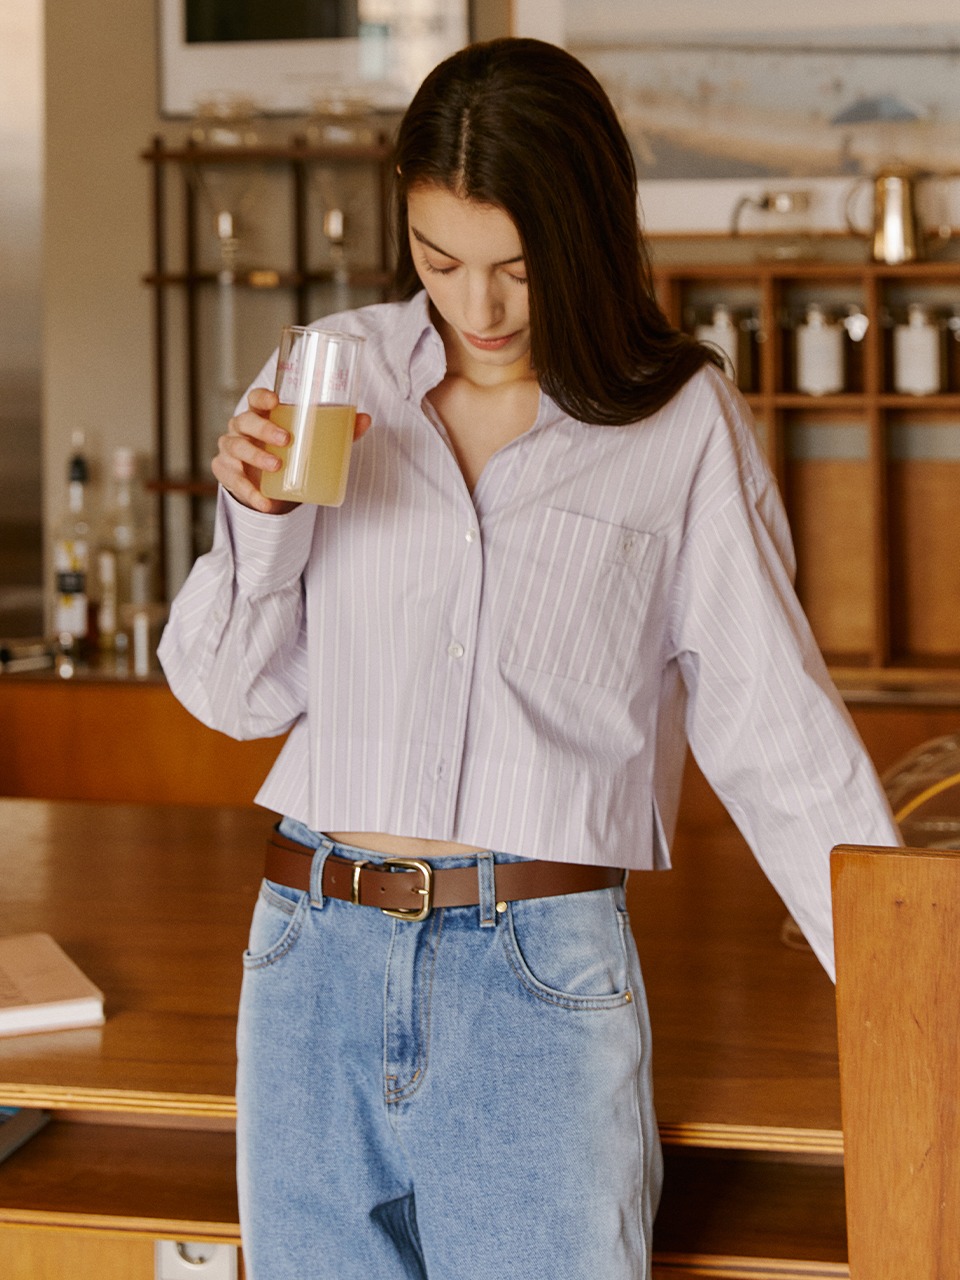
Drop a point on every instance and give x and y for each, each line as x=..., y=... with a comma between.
x=410, y=888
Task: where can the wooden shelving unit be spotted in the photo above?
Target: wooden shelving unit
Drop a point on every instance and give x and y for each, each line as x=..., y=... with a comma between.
x=870, y=478
x=285, y=222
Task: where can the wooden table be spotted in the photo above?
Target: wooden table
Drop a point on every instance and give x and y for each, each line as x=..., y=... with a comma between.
x=153, y=902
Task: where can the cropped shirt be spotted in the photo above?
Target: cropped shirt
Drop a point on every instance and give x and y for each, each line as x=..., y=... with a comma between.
x=522, y=667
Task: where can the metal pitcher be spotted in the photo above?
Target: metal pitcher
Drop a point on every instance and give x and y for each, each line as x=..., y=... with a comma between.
x=896, y=234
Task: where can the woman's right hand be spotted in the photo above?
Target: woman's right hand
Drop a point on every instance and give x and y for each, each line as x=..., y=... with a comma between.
x=242, y=457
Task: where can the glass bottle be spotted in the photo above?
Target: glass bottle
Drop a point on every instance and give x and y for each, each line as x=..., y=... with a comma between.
x=723, y=332
x=917, y=361
x=123, y=556
x=71, y=614
x=819, y=354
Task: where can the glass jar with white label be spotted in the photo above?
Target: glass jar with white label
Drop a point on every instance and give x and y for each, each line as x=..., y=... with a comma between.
x=723, y=332
x=819, y=350
x=918, y=354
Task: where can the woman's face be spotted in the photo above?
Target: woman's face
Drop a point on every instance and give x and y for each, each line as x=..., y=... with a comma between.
x=469, y=258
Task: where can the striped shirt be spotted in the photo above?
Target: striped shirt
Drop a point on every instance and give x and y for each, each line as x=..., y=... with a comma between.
x=521, y=668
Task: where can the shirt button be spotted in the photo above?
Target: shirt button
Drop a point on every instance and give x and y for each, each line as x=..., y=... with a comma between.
x=471, y=535
x=455, y=649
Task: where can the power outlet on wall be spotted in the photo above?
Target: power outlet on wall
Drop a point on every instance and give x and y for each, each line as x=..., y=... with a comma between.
x=194, y=1260
x=784, y=201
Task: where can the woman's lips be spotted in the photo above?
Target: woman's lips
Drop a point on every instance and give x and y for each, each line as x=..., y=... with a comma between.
x=488, y=344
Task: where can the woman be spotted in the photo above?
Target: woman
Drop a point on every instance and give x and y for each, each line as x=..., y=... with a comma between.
x=561, y=556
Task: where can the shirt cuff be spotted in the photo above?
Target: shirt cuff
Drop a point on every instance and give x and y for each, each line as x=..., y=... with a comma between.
x=269, y=551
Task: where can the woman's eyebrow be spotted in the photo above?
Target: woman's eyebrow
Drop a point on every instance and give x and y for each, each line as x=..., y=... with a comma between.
x=422, y=239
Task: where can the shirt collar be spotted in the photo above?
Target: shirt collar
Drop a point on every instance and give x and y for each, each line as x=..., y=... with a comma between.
x=422, y=360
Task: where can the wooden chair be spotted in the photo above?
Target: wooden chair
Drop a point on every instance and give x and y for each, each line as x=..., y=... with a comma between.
x=897, y=918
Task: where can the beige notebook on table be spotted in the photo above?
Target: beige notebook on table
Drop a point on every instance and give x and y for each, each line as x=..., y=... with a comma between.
x=41, y=989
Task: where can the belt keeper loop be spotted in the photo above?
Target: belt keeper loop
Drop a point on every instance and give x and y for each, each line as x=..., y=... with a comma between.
x=324, y=849
x=487, y=890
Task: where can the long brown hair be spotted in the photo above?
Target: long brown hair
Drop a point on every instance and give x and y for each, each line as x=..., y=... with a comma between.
x=523, y=125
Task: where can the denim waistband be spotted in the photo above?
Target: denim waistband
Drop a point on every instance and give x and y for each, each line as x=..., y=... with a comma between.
x=293, y=829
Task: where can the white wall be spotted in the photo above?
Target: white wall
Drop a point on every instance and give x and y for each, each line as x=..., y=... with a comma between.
x=21, y=110
x=100, y=113
x=589, y=18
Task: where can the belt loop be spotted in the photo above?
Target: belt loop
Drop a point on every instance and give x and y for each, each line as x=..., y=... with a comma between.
x=487, y=890
x=324, y=849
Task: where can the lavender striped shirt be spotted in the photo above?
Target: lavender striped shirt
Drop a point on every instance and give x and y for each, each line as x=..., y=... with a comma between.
x=521, y=668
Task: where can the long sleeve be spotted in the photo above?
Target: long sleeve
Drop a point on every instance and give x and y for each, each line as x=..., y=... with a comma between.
x=764, y=721
x=234, y=648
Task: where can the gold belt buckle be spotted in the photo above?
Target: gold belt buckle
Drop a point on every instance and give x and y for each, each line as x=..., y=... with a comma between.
x=426, y=870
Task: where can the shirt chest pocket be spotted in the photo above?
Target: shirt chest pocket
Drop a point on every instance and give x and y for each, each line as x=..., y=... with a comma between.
x=578, y=599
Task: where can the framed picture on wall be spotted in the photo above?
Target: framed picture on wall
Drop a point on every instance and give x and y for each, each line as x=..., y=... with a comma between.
x=284, y=54
x=768, y=124
x=781, y=128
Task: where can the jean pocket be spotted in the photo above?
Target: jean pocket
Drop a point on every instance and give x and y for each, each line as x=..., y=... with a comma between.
x=277, y=920
x=570, y=950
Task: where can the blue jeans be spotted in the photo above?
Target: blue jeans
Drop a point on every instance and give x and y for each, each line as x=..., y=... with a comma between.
x=463, y=1098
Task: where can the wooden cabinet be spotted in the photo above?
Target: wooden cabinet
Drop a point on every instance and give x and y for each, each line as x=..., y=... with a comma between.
x=871, y=478
x=96, y=738
x=125, y=739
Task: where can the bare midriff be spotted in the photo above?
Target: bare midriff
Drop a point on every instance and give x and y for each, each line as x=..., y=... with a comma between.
x=401, y=846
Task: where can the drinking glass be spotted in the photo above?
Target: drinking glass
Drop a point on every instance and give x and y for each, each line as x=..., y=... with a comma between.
x=317, y=375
